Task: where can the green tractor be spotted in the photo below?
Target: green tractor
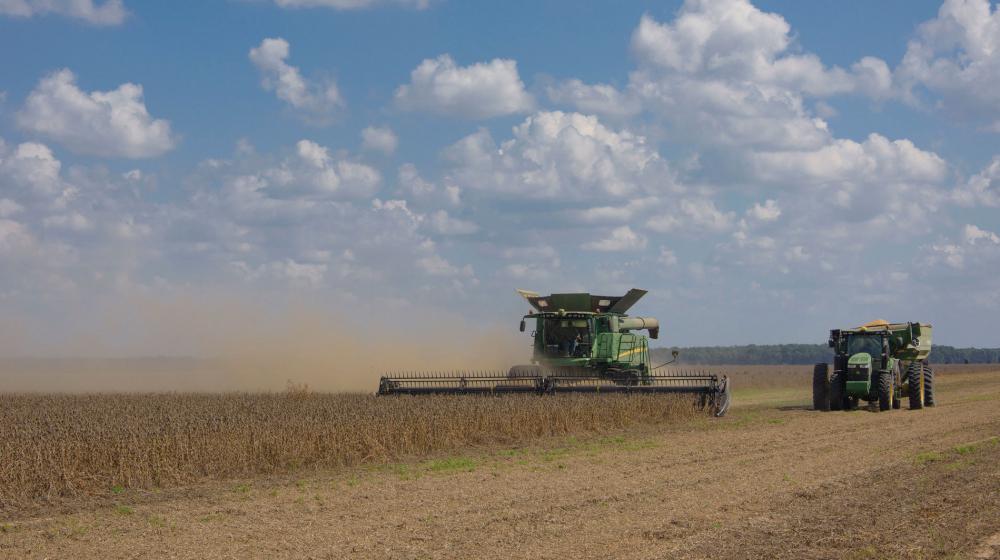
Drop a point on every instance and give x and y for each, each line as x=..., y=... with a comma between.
x=879, y=363
x=581, y=343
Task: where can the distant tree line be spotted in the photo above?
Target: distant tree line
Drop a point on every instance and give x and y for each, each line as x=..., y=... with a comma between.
x=804, y=354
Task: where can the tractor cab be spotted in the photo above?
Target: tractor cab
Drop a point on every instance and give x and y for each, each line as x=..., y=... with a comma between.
x=866, y=352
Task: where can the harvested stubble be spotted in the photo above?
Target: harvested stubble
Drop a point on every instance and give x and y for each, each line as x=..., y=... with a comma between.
x=765, y=377
x=70, y=445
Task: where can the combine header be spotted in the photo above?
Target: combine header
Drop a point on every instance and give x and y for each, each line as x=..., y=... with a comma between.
x=582, y=343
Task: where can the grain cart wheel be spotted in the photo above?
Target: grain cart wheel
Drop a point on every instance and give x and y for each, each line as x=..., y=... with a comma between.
x=886, y=391
x=821, y=387
x=897, y=388
x=838, y=386
x=928, y=384
x=915, y=381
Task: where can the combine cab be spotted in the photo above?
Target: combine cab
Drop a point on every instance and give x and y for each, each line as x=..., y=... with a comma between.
x=582, y=343
x=878, y=362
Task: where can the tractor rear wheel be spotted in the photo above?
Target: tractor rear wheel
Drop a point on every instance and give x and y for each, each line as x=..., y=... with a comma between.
x=821, y=387
x=915, y=381
x=886, y=391
x=928, y=384
x=838, y=387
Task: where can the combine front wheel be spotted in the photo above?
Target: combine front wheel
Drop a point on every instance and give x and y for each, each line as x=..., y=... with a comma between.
x=886, y=392
x=915, y=381
x=821, y=387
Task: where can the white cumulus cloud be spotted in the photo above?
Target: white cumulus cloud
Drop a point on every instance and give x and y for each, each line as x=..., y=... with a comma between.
x=108, y=12
x=974, y=235
x=767, y=212
x=104, y=123
x=982, y=188
x=316, y=100
x=32, y=167
x=379, y=139
x=478, y=91
x=620, y=239
x=956, y=58
x=442, y=223
x=976, y=249
x=876, y=159
x=724, y=72
x=734, y=40
x=315, y=168
x=698, y=215
x=553, y=154
x=600, y=99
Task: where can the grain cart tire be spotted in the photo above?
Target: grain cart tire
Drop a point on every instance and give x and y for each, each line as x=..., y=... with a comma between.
x=915, y=381
x=885, y=391
x=838, y=386
x=821, y=387
x=897, y=388
x=928, y=384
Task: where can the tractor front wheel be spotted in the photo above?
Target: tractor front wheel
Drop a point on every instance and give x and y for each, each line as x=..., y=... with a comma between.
x=821, y=387
x=915, y=381
x=886, y=391
x=838, y=388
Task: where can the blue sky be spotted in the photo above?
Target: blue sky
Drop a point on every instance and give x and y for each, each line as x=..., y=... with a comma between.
x=767, y=170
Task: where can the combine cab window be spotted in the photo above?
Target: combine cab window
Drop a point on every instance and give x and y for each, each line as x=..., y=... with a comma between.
x=871, y=345
x=567, y=337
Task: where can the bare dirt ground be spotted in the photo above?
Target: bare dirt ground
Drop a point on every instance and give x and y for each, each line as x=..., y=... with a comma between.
x=772, y=480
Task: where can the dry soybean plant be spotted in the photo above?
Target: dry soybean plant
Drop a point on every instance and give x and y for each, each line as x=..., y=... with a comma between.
x=55, y=445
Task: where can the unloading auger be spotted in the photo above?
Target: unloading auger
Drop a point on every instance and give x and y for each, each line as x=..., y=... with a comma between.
x=582, y=343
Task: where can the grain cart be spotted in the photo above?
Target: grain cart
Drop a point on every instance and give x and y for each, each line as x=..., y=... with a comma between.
x=581, y=343
x=879, y=363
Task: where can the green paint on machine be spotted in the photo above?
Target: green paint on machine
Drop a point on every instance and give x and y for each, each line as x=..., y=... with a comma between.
x=879, y=362
x=580, y=343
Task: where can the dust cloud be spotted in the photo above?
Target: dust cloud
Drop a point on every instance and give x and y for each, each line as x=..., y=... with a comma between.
x=230, y=344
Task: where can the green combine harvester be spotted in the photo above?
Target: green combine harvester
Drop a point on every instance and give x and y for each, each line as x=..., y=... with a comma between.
x=582, y=343
x=879, y=363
